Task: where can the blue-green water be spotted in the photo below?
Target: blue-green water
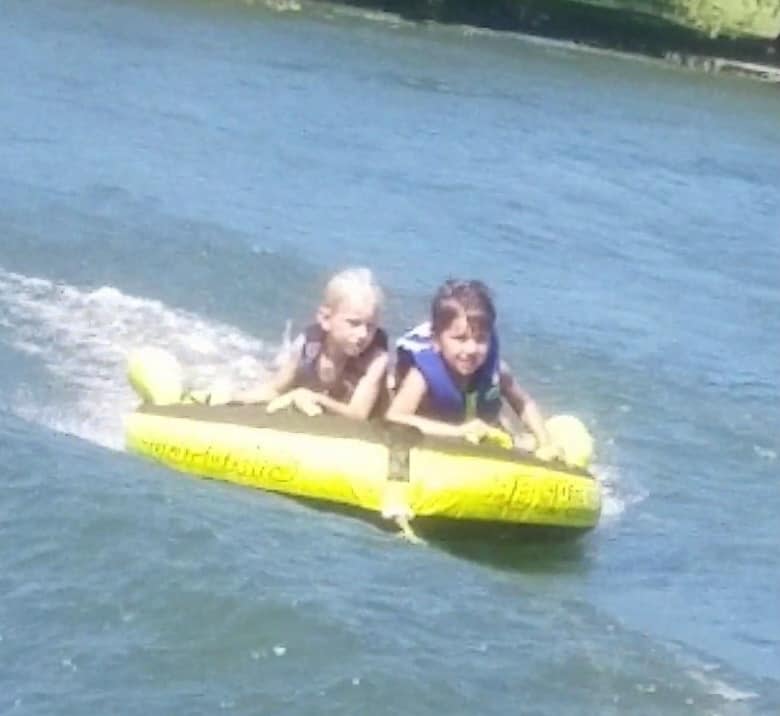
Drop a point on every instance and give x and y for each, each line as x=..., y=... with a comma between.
x=187, y=174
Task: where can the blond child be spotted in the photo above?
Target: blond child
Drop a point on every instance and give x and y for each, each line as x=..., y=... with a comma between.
x=339, y=363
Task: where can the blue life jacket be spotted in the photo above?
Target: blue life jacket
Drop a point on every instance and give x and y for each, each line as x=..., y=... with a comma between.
x=445, y=400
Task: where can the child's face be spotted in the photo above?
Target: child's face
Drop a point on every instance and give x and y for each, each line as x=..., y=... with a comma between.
x=351, y=324
x=463, y=346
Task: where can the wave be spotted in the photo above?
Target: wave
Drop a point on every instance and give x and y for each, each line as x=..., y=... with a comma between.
x=81, y=338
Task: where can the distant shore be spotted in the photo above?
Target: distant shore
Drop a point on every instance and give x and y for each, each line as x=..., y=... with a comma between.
x=600, y=27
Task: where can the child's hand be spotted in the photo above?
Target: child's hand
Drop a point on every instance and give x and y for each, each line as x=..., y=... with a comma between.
x=218, y=393
x=302, y=399
x=475, y=430
x=549, y=451
x=478, y=431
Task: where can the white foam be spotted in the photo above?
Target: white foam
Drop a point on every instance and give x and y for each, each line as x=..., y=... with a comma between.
x=616, y=498
x=765, y=452
x=389, y=18
x=82, y=337
x=718, y=687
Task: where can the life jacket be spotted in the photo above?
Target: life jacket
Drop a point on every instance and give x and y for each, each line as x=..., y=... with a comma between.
x=354, y=369
x=445, y=400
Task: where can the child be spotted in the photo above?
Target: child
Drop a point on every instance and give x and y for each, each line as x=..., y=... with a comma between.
x=450, y=378
x=339, y=363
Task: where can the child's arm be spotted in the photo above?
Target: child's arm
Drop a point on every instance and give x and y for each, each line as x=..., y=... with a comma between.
x=365, y=394
x=407, y=401
x=524, y=405
x=279, y=382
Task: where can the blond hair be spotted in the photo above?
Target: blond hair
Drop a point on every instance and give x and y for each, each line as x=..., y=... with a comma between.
x=355, y=284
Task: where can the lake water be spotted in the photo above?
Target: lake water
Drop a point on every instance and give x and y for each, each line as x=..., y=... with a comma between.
x=187, y=175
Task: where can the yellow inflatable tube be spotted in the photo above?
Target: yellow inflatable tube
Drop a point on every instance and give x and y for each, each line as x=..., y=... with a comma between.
x=387, y=469
x=375, y=467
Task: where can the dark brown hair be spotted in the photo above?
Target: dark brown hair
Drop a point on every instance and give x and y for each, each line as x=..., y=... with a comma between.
x=471, y=297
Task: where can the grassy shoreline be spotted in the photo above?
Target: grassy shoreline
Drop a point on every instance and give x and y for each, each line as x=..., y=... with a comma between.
x=608, y=28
